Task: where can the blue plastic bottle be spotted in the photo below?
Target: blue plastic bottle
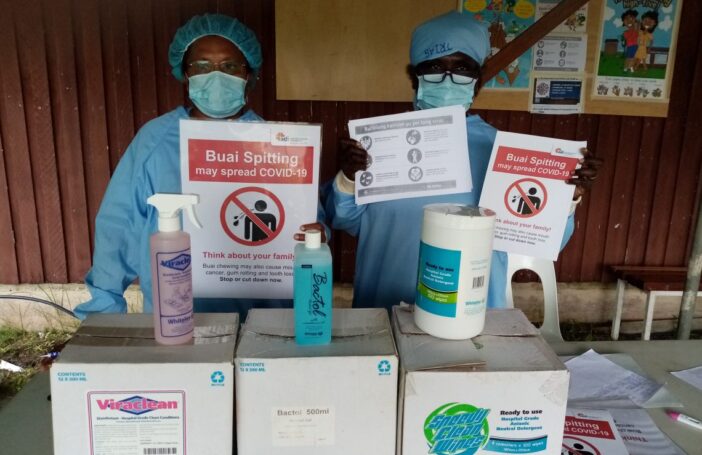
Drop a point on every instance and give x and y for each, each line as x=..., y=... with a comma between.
x=312, y=285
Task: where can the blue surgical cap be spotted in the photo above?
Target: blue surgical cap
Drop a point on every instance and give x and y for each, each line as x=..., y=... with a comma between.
x=213, y=24
x=449, y=33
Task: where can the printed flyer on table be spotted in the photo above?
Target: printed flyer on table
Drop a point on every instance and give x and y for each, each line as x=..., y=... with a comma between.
x=258, y=183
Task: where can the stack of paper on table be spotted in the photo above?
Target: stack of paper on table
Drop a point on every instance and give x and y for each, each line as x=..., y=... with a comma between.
x=616, y=385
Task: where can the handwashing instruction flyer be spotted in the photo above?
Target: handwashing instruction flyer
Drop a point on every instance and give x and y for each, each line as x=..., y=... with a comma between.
x=420, y=153
x=525, y=186
x=258, y=183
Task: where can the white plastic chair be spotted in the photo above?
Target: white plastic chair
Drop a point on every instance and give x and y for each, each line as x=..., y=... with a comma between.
x=546, y=271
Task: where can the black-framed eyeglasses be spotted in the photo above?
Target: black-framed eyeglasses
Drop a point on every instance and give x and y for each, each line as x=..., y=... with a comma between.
x=230, y=67
x=437, y=78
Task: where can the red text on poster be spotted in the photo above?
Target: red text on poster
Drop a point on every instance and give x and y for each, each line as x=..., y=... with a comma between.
x=588, y=427
x=533, y=163
x=249, y=162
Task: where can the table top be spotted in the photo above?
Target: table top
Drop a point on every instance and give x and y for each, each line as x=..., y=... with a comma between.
x=657, y=359
x=25, y=422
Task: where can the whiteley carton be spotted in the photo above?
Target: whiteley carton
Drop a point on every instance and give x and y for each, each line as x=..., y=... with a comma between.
x=504, y=391
x=338, y=398
x=115, y=390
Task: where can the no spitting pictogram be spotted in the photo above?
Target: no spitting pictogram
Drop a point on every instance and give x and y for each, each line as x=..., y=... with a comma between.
x=526, y=198
x=577, y=446
x=252, y=216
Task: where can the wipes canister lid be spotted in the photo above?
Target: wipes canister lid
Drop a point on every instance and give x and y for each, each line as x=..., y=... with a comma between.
x=459, y=216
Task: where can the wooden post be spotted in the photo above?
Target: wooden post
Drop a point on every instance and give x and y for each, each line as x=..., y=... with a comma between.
x=530, y=36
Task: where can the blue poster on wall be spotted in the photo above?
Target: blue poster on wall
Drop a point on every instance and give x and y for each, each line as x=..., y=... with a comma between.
x=505, y=19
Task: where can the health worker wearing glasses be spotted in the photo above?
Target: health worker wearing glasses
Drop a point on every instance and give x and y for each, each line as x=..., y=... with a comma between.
x=218, y=59
x=446, y=57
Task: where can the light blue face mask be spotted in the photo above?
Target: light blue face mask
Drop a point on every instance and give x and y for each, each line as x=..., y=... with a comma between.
x=445, y=93
x=216, y=94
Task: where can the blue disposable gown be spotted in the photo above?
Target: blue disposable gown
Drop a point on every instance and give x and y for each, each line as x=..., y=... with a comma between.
x=125, y=221
x=389, y=233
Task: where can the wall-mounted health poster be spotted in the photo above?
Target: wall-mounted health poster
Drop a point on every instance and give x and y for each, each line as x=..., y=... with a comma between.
x=637, y=47
x=505, y=19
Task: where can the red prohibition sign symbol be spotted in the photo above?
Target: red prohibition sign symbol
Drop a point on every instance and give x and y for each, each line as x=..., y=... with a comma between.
x=529, y=204
x=585, y=446
x=252, y=217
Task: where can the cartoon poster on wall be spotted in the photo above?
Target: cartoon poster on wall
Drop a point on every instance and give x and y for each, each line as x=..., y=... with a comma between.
x=636, y=49
x=258, y=183
x=576, y=22
x=505, y=19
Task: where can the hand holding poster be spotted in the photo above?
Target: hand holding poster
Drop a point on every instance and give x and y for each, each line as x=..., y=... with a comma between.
x=258, y=182
x=420, y=153
x=525, y=186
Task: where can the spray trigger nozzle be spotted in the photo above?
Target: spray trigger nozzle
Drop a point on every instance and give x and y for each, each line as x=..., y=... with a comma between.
x=169, y=206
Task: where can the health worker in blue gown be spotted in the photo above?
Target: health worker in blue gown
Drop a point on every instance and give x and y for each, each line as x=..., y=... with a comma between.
x=218, y=59
x=446, y=55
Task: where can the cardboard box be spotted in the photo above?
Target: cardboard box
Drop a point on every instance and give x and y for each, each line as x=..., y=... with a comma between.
x=114, y=390
x=310, y=400
x=504, y=391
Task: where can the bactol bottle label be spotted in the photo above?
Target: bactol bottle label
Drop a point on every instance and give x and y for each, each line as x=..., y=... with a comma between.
x=317, y=309
x=174, y=292
x=438, y=280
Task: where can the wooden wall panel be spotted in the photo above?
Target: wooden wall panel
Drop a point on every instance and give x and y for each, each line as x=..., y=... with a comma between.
x=665, y=192
x=625, y=164
x=67, y=133
x=570, y=259
x=91, y=96
x=252, y=14
x=189, y=8
x=170, y=92
x=643, y=192
x=605, y=143
x=8, y=259
x=335, y=67
x=684, y=206
x=688, y=92
x=270, y=107
x=80, y=77
x=42, y=154
x=689, y=35
x=565, y=127
x=143, y=68
x=18, y=167
x=118, y=87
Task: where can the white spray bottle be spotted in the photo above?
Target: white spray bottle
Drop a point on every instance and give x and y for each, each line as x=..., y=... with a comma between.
x=171, y=273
